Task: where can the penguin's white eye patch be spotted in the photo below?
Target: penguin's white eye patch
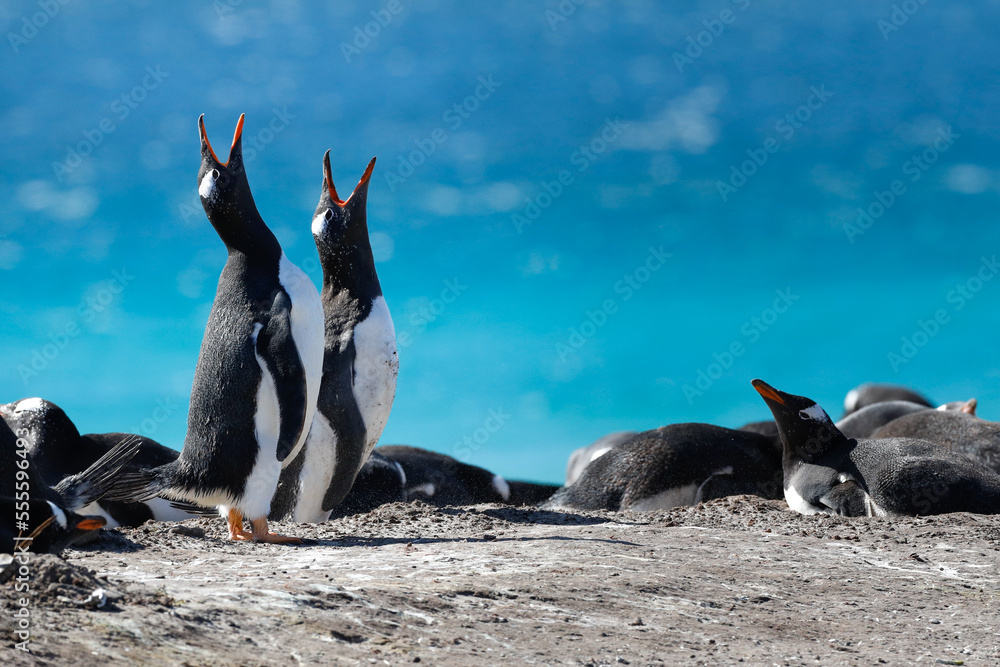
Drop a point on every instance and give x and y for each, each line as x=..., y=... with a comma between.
x=329, y=214
x=813, y=413
x=215, y=174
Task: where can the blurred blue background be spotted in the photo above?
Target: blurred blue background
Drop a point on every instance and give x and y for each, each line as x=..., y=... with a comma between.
x=739, y=138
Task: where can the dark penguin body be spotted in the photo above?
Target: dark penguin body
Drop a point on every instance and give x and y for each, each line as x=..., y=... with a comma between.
x=864, y=422
x=439, y=479
x=530, y=493
x=680, y=464
x=826, y=472
x=957, y=432
x=58, y=450
x=871, y=393
x=360, y=364
x=379, y=481
x=51, y=528
x=582, y=457
x=768, y=428
x=258, y=372
x=21, y=478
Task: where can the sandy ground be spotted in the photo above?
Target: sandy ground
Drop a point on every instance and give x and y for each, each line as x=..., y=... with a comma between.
x=734, y=581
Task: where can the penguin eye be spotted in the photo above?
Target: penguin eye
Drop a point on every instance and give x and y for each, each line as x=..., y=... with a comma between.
x=215, y=174
x=329, y=214
x=805, y=415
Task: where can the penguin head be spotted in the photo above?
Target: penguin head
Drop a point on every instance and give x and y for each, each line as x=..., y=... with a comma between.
x=43, y=420
x=224, y=189
x=806, y=430
x=340, y=227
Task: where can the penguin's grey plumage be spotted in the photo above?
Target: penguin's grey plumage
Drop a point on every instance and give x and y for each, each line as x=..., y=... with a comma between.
x=582, y=457
x=955, y=431
x=258, y=372
x=871, y=393
x=679, y=464
x=360, y=364
x=826, y=472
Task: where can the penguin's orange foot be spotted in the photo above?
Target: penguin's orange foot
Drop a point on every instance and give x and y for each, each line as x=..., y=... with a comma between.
x=262, y=534
x=235, y=524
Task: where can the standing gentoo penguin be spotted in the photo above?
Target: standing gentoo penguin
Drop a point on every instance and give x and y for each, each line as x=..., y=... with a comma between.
x=258, y=372
x=675, y=465
x=58, y=450
x=826, y=472
x=871, y=393
x=360, y=364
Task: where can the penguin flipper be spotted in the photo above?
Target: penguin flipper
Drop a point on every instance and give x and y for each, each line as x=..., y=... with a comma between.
x=276, y=348
x=106, y=476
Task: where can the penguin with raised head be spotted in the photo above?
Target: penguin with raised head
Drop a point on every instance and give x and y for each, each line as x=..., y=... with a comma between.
x=676, y=465
x=360, y=363
x=826, y=472
x=58, y=450
x=258, y=372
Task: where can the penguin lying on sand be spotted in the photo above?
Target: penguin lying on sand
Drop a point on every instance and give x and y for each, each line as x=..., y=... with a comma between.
x=956, y=431
x=826, y=472
x=864, y=422
x=680, y=464
x=439, y=479
x=41, y=526
x=871, y=393
x=58, y=450
x=582, y=457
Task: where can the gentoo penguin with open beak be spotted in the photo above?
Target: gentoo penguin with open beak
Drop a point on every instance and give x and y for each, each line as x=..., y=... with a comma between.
x=826, y=472
x=258, y=373
x=360, y=363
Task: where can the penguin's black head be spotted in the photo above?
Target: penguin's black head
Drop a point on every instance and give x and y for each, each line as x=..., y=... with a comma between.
x=225, y=191
x=805, y=428
x=51, y=528
x=340, y=229
x=44, y=420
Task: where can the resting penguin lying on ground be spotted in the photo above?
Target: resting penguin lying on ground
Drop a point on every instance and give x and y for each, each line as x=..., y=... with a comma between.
x=864, y=422
x=582, y=457
x=680, y=464
x=58, y=450
x=871, y=393
x=826, y=472
x=957, y=432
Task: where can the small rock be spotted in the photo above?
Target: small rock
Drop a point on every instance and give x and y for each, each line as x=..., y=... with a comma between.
x=637, y=621
x=187, y=531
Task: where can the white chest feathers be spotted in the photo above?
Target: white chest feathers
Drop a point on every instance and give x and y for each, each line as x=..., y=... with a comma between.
x=376, y=367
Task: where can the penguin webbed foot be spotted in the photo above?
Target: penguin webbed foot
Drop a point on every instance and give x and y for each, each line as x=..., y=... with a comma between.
x=262, y=534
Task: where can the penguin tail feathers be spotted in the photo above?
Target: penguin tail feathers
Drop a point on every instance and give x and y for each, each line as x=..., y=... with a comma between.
x=105, y=475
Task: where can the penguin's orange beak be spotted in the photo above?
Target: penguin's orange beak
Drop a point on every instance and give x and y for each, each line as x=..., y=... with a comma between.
x=91, y=523
x=767, y=391
x=328, y=176
x=236, y=137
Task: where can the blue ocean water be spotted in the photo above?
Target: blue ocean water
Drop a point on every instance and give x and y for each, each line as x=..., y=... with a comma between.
x=587, y=216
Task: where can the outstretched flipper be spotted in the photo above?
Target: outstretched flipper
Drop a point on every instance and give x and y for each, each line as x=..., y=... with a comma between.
x=277, y=350
x=105, y=477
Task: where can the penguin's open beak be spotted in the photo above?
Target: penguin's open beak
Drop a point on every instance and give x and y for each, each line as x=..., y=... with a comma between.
x=328, y=177
x=236, y=137
x=767, y=392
